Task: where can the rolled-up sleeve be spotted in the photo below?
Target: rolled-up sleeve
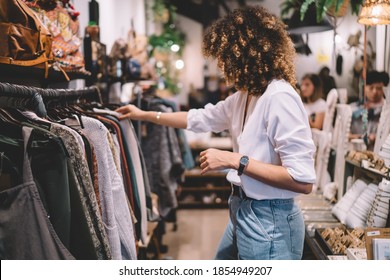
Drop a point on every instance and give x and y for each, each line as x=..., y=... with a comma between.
x=288, y=130
x=213, y=118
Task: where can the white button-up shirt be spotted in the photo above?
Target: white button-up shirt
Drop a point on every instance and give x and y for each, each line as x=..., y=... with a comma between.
x=276, y=131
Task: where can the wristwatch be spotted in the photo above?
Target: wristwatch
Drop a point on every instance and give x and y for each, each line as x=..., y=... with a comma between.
x=244, y=160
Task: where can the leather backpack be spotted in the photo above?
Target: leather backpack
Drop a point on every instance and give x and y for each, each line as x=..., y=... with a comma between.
x=24, y=40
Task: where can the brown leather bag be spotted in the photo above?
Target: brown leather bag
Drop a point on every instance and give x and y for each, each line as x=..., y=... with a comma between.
x=24, y=40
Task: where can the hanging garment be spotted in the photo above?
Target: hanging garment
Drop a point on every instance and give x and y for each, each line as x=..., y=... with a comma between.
x=93, y=167
x=116, y=153
x=49, y=167
x=22, y=214
x=86, y=190
x=116, y=214
x=188, y=159
x=164, y=164
x=137, y=158
x=82, y=236
x=132, y=141
x=128, y=173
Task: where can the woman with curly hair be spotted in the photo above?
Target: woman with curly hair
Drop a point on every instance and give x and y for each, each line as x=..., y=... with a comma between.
x=272, y=158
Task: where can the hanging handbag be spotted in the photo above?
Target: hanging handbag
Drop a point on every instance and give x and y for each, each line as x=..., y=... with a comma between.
x=25, y=41
x=60, y=18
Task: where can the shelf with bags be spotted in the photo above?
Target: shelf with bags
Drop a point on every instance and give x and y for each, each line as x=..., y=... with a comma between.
x=34, y=76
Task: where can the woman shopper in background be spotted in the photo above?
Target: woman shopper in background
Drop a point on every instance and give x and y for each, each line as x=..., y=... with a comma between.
x=272, y=158
x=327, y=80
x=311, y=94
x=369, y=110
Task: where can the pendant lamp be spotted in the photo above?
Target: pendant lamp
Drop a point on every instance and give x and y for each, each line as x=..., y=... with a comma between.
x=375, y=12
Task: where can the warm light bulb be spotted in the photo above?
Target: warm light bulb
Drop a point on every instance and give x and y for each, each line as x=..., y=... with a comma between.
x=376, y=11
x=179, y=64
x=175, y=48
x=159, y=64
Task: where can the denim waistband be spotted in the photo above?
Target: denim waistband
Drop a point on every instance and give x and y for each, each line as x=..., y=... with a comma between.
x=239, y=192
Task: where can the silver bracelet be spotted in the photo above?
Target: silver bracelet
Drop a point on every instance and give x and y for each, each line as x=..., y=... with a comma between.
x=158, y=116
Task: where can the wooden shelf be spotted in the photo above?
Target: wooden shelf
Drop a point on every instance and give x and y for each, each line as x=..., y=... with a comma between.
x=34, y=76
x=199, y=204
x=222, y=143
x=205, y=189
x=371, y=170
x=354, y=169
x=196, y=173
x=212, y=188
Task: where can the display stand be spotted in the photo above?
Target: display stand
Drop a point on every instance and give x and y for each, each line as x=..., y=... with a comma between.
x=211, y=190
x=33, y=76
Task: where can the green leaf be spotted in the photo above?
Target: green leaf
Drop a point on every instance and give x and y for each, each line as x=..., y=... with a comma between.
x=321, y=4
x=355, y=6
x=304, y=7
x=338, y=5
x=289, y=5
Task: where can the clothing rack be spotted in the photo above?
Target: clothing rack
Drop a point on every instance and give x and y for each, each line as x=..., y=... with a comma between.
x=138, y=92
x=21, y=97
x=38, y=99
x=79, y=160
x=71, y=95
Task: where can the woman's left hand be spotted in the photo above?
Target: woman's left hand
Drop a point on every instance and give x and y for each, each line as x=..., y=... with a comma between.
x=213, y=159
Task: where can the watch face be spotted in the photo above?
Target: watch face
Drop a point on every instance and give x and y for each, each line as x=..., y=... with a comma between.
x=244, y=160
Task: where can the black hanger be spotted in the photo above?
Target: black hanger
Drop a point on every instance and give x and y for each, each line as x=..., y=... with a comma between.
x=8, y=117
x=21, y=97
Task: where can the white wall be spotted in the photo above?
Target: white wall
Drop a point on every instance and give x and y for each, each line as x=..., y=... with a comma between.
x=321, y=45
x=192, y=56
x=383, y=48
x=115, y=18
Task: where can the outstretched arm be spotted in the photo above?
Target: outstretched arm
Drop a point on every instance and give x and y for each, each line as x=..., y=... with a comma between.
x=176, y=119
x=277, y=176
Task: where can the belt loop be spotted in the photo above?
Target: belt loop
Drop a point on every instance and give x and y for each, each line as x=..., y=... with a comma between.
x=238, y=191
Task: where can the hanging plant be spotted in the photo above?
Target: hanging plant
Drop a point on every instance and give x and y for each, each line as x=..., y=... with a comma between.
x=169, y=37
x=167, y=47
x=331, y=7
x=163, y=11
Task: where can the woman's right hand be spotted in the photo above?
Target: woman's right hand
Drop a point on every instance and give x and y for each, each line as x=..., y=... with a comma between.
x=131, y=111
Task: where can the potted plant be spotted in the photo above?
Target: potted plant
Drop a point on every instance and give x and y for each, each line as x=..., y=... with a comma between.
x=336, y=8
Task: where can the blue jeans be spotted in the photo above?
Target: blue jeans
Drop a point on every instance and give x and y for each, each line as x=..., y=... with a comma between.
x=262, y=230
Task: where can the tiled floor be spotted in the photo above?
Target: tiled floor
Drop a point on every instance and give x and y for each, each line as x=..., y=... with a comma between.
x=198, y=234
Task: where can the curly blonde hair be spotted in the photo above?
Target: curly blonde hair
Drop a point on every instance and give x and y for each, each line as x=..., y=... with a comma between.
x=252, y=47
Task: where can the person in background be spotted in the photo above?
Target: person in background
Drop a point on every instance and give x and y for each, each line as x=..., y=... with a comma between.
x=224, y=90
x=327, y=80
x=311, y=94
x=272, y=158
x=371, y=108
x=220, y=93
x=196, y=98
